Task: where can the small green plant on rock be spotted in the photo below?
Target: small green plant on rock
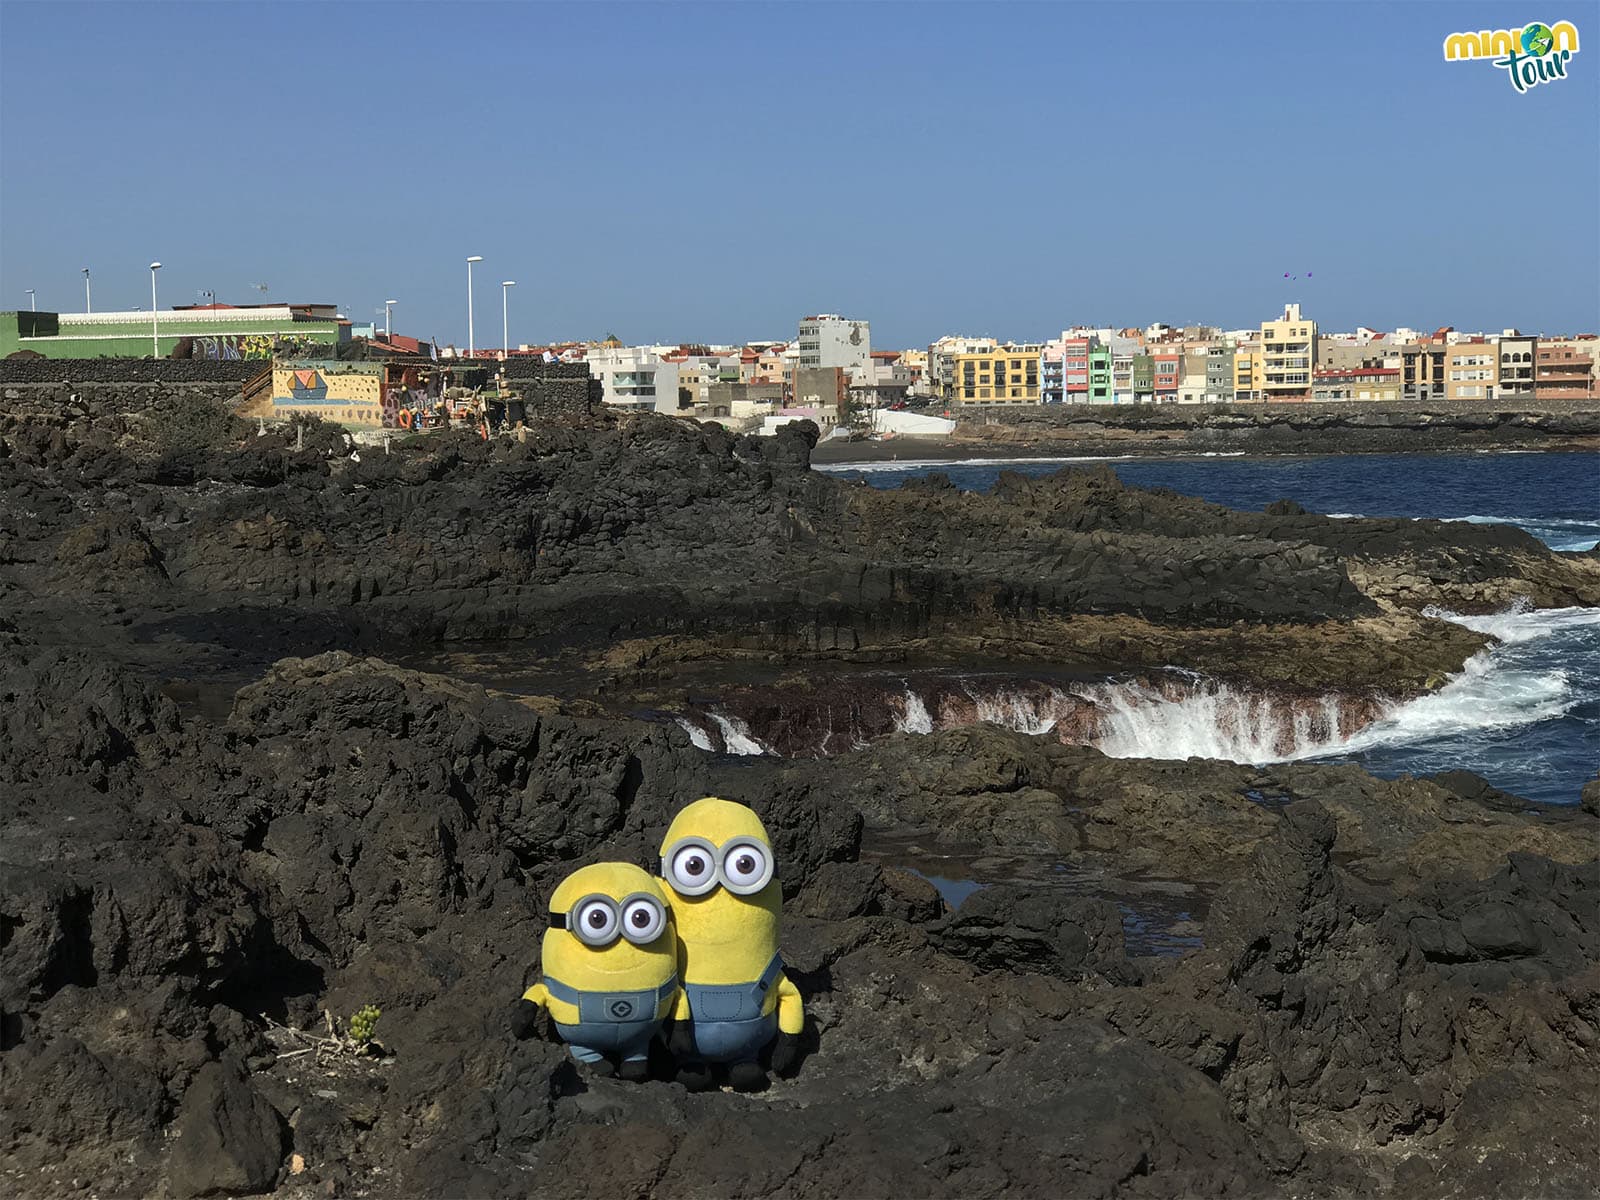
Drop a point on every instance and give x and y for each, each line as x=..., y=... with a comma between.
x=363, y=1023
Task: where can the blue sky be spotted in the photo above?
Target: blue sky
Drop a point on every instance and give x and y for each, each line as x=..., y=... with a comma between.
x=713, y=172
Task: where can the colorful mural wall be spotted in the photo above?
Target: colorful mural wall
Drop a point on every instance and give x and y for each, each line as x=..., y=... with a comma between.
x=349, y=393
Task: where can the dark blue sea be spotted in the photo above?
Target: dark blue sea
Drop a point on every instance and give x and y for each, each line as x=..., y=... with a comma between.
x=1525, y=714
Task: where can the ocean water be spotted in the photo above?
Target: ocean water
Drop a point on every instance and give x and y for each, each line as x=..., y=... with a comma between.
x=1524, y=714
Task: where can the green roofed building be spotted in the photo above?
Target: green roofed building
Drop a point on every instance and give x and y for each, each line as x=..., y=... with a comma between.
x=215, y=331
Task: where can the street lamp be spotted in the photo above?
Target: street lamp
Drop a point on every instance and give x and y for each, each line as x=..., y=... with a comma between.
x=505, y=324
x=388, y=305
x=471, y=345
x=33, y=305
x=88, y=304
x=155, y=318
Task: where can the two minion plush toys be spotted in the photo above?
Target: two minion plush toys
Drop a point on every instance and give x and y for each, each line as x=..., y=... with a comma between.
x=624, y=952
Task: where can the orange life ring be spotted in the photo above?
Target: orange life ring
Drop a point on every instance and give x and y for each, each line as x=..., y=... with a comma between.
x=405, y=418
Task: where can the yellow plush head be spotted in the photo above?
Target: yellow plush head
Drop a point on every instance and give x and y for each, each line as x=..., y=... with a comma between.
x=611, y=928
x=717, y=862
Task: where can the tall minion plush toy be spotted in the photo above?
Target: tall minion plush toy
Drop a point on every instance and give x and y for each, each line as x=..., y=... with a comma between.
x=610, y=963
x=718, y=866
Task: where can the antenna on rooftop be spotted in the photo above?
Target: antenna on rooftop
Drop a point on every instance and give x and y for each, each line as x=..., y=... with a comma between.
x=261, y=287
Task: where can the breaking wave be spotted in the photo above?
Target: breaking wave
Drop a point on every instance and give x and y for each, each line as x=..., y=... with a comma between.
x=1180, y=714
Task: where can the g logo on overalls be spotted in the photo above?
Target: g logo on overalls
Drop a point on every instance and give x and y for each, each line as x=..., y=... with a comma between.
x=621, y=1009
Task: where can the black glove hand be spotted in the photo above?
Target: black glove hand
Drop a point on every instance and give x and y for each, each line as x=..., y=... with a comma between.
x=523, y=1019
x=680, y=1041
x=786, y=1053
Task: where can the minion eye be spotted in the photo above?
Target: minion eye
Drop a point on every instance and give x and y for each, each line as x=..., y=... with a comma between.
x=746, y=867
x=643, y=920
x=692, y=869
x=596, y=923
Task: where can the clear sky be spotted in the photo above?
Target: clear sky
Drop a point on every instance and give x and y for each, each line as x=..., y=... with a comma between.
x=689, y=172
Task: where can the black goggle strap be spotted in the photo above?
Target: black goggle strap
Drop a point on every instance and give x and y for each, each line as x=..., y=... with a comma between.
x=558, y=920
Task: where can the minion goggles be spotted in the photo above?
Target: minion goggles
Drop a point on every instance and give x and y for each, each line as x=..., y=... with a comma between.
x=613, y=919
x=744, y=865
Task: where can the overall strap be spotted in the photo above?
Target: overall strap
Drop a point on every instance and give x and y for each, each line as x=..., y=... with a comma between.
x=770, y=975
x=561, y=992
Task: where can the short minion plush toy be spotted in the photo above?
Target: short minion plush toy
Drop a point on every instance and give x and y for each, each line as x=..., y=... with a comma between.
x=718, y=866
x=610, y=965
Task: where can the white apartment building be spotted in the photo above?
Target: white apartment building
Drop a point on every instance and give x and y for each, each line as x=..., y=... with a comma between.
x=635, y=377
x=829, y=340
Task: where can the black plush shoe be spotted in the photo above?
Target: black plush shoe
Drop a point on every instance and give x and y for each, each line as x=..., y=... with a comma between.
x=602, y=1068
x=695, y=1076
x=747, y=1077
x=635, y=1070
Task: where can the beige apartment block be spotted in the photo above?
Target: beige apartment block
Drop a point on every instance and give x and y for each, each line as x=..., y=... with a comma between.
x=1367, y=382
x=1422, y=373
x=1288, y=356
x=1471, y=371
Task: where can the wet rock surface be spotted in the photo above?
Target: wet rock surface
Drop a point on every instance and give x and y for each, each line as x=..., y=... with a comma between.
x=1374, y=1005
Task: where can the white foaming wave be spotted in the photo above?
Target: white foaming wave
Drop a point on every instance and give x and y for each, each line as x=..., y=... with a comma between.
x=1484, y=696
x=736, y=736
x=700, y=738
x=1214, y=721
x=1345, y=516
x=1014, y=710
x=1521, y=622
x=917, y=718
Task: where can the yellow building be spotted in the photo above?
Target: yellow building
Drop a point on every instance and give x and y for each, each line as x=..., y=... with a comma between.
x=1247, y=371
x=1471, y=371
x=1005, y=375
x=1288, y=356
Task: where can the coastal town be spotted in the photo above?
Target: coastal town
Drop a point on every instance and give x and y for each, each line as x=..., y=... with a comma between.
x=314, y=359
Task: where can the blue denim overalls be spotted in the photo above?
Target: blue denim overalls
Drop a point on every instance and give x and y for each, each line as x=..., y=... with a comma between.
x=726, y=1018
x=620, y=1023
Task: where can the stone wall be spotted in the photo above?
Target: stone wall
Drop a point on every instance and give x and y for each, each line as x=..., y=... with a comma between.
x=66, y=403
x=171, y=371
x=551, y=391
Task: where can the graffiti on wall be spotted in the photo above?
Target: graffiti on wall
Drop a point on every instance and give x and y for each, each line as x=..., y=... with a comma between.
x=233, y=347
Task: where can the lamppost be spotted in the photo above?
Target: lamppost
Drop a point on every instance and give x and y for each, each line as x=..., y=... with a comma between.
x=155, y=319
x=471, y=345
x=388, y=306
x=33, y=305
x=88, y=303
x=505, y=323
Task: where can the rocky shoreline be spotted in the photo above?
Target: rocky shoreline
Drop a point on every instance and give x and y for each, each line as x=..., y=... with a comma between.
x=1161, y=979
x=1253, y=430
